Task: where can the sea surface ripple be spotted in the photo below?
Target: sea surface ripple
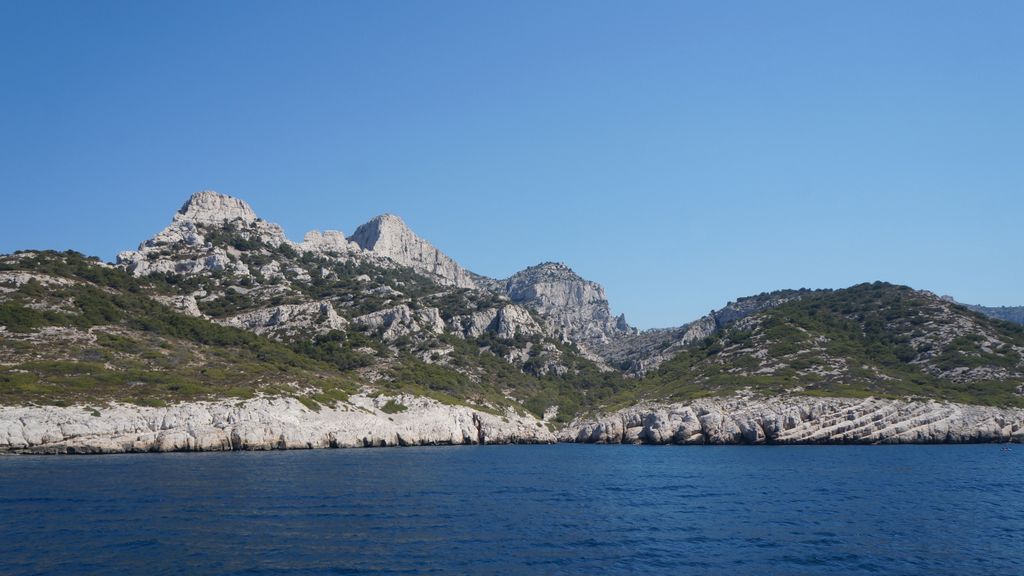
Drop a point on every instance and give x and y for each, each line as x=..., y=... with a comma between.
x=563, y=509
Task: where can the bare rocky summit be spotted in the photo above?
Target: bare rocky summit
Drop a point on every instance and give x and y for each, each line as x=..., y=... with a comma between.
x=574, y=309
x=388, y=236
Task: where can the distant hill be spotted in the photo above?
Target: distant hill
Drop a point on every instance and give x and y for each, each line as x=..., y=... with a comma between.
x=1013, y=314
x=871, y=339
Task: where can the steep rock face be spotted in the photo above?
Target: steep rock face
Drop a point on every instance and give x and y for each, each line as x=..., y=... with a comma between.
x=504, y=322
x=260, y=424
x=401, y=321
x=800, y=420
x=574, y=309
x=512, y=320
x=289, y=320
x=209, y=207
x=388, y=236
x=327, y=242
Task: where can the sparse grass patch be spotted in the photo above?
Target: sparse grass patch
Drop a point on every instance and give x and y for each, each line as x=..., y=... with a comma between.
x=392, y=407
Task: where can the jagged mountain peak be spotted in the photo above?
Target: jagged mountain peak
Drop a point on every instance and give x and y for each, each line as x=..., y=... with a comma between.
x=383, y=231
x=200, y=235
x=389, y=236
x=211, y=207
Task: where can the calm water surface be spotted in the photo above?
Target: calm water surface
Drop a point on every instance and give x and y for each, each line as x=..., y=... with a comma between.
x=561, y=509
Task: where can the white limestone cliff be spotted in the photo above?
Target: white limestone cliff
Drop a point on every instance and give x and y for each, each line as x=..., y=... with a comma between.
x=327, y=242
x=799, y=420
x=285, y=423
x=210, y=207
x=505, y=322
x=259, y=424
x=204, y=232
x=575, y=309
x=388, y=236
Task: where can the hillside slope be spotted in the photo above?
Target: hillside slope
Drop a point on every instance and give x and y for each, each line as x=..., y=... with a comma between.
x=871, y=339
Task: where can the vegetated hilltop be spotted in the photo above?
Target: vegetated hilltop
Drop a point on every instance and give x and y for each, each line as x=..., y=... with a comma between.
x=868, y=340
x=222, y=304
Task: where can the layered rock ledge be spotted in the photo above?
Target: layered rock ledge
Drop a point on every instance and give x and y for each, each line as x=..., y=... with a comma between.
x=285, y=423
x=261, y=424
x=800, y=420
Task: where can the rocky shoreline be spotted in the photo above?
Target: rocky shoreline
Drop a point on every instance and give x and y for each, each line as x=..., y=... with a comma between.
x=800, y=420
x=285, y=423
x=260, y=424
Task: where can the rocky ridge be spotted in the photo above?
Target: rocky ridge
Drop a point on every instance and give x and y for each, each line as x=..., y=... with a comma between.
x=638, y=353
x=258, y=279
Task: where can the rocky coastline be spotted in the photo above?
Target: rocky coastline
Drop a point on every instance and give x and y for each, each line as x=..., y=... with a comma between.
x=286, y=423
x=258, y=424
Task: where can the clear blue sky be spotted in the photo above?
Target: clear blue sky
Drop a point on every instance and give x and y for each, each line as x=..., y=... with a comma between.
x=680, y=153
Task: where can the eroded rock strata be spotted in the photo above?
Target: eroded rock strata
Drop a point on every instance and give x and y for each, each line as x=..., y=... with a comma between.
x=261, y=424
x=800, y=420
x=285, y=423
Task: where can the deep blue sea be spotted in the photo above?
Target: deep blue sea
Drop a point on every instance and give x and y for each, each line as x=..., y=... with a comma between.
x=564, y=509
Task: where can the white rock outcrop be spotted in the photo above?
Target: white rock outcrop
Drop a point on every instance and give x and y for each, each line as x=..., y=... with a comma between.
x=388, y=236
x=19, y=278
x=505, y=321
x=401, y=321
x=185, y=304
x=285, y=423
x=261, y=424
x=289, y=319
x=575, y=309
x=209, y=207
x=181, y=247
x=512, y=320
x=800, y=420
x=328, y=242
